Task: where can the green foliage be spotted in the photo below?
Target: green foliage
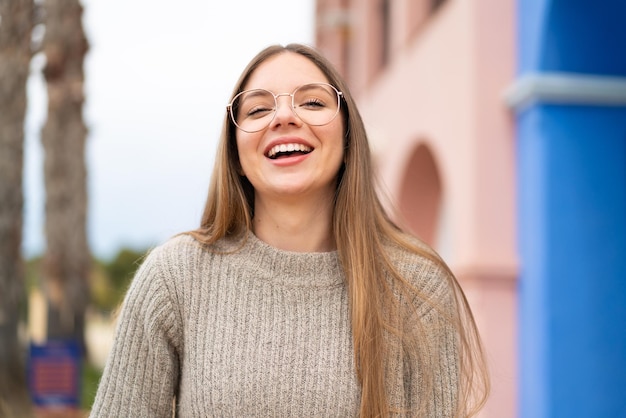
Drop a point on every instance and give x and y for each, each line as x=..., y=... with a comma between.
x=89, y=384
x=123, y=266
x=110, y=280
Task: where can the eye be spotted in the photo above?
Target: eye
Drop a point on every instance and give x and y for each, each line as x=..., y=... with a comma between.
x=257, y=107
x=259, y=111
x=312, y=103
x=314, y=97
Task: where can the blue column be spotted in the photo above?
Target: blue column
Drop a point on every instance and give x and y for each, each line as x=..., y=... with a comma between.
x=570, y=102
x=572, y=206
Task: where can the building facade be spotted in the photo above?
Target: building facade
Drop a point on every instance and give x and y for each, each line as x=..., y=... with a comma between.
x=429, y=78
x=518, y=180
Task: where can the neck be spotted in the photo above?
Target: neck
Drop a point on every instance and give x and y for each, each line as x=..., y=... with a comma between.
x=300, y=226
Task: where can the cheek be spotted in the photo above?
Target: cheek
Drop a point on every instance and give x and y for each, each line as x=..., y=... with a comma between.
x=335, y=135
x=245, y=148
x=332, y=138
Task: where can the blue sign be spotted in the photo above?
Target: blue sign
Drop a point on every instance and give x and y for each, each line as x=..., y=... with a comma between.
x=54, y=373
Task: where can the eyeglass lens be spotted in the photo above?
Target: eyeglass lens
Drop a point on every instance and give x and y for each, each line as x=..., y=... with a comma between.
x=314, y=104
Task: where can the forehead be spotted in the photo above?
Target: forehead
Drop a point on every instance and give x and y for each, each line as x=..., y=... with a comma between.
x=284, y=72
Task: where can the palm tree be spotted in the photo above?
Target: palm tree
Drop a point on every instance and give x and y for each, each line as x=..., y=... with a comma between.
x=16, y=24
x=67, y=259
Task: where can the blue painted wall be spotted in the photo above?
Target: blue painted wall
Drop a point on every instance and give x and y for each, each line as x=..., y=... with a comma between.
x=577, y=36
x=572, y=189
x=572, y=218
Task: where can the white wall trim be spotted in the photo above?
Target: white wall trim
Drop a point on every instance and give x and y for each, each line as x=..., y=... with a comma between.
x=565, y=88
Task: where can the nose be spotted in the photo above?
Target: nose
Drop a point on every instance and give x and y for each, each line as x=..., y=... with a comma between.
x=285, y=114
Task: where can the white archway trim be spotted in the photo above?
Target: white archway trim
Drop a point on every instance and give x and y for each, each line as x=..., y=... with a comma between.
x=565, y=88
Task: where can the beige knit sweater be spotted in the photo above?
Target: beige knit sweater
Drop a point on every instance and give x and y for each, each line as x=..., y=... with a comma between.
x=260, y=332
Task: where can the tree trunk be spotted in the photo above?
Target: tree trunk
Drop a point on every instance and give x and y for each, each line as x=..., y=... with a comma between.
x=67, y=258
x=15, y=54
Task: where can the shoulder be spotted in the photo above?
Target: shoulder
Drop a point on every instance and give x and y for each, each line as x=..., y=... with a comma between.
x=422, y=268
x=167, y=271
x=414, y=257
x=181, y=245
x=184, y=259
x=169, y=264
x=179, y=252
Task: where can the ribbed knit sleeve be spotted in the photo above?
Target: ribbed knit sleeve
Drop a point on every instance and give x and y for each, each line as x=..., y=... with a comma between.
x=441, y=351
x=438, y=341
x=141, y=374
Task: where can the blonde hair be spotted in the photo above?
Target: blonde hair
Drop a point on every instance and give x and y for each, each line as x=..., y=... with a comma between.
x=362, y=230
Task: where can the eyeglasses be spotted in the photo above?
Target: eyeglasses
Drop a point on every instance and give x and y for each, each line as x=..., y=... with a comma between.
x=315, y=104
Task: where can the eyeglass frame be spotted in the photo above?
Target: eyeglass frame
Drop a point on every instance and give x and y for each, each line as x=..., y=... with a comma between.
x=229, y=107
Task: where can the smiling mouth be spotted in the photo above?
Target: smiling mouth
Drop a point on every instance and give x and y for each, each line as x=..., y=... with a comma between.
x=286, y=150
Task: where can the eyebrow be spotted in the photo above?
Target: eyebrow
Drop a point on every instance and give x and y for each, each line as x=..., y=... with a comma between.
x=255, y=92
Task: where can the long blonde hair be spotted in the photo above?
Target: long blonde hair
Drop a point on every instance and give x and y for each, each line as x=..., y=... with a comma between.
x=362, y=231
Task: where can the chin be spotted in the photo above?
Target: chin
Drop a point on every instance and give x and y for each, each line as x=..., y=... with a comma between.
x=298, y=189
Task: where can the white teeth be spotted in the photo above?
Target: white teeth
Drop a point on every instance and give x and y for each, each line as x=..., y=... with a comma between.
x=288, y=148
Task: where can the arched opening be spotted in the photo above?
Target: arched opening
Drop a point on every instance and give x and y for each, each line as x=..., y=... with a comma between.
x=420, y=195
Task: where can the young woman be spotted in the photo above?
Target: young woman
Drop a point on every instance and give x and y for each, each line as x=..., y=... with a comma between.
x=297, y=296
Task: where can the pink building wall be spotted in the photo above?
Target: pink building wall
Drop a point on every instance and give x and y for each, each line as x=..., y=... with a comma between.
x=443, y=142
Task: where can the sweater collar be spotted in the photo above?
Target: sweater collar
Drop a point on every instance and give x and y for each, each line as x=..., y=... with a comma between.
x=301, y=269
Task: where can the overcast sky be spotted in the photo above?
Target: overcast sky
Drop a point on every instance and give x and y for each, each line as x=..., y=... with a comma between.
x=158, y=77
